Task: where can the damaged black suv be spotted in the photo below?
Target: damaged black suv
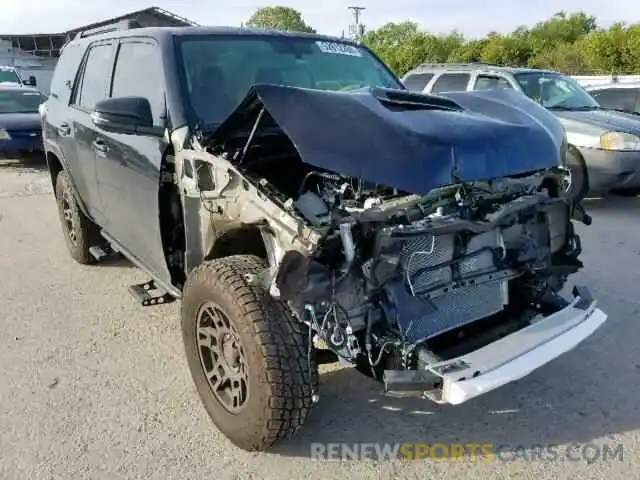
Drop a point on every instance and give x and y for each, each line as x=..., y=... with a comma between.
x=299, y=201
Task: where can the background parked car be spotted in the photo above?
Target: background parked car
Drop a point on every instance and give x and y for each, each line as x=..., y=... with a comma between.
x=604, y=145
x=617, y=96
x=20, y=127
x=10, y=76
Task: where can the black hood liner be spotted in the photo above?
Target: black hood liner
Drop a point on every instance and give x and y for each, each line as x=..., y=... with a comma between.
x=405, y=140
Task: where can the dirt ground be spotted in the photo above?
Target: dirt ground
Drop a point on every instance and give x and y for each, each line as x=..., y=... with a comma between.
x=93, y=386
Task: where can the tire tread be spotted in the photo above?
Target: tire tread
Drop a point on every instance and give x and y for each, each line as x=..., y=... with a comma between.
x=283, y=342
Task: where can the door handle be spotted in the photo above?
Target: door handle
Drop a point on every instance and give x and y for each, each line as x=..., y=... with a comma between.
x=100, y=147
x=64, y=130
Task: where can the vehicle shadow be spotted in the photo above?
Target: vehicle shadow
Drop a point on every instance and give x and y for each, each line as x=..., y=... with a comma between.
x=616, y=203
x=581, y=397
x=116, y=260
x=33, y=163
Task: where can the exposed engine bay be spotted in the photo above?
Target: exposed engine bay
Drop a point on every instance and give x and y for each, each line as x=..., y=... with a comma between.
x=396, y=281
x=394, y=273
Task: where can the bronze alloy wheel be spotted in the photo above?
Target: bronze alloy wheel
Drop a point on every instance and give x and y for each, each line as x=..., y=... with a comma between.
x=69, y=217
x=222, y=357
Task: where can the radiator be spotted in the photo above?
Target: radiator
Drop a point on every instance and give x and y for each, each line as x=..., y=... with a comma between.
x=445, y=310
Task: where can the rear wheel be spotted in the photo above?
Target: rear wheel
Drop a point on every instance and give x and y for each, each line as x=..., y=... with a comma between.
x=249, y=358
x=576, y=184
x=79, y=232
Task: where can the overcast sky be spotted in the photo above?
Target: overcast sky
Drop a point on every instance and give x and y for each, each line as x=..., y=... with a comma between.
x=471, y=17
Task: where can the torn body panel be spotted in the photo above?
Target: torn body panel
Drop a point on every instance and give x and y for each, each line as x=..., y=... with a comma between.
x=217, y=200
x=394, y=269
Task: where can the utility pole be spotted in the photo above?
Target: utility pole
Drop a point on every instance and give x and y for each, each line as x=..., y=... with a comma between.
x=356, y=29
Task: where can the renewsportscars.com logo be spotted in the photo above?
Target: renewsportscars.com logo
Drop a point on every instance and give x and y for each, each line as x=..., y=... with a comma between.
x=483, y=452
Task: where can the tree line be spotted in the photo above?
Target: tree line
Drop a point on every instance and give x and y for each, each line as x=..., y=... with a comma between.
x=572, y=43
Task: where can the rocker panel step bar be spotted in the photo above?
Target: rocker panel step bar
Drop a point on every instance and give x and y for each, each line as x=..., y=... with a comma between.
x=99, y=252
x=148, y=294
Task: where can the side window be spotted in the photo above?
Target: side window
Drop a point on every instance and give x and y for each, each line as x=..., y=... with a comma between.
x=488, y=82
x=138, y=73
x=618, y=98
x=65, y=72
x=94, y=85
x=418, y=81
x=451, y=82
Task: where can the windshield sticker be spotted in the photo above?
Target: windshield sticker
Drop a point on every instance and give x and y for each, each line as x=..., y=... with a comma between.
x=338, y=48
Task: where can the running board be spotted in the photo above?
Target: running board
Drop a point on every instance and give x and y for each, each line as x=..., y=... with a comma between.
x=148, y=294
x=100, y=252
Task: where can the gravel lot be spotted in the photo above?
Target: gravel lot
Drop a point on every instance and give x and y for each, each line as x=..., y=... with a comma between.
x=93, y=386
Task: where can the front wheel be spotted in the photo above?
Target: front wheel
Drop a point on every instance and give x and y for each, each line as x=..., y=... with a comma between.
x=250, y=359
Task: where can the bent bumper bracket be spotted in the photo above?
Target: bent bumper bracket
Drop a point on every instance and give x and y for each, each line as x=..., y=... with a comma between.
x=510, y=358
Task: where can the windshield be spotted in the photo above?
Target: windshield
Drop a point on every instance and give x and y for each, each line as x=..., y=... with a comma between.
x=554, y=90
x=9, y=76
x=20, y=101
x=218, y=71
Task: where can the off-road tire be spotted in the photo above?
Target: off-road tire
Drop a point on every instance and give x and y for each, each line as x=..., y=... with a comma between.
x=281, y=378
x=84, y=230
x=579, y=186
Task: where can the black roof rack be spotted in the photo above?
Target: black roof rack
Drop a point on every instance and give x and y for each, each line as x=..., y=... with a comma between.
x=114, y=27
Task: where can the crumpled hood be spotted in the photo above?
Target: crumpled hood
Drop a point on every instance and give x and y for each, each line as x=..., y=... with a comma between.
x=20, y=121
x=608, y=120
x=409, y=141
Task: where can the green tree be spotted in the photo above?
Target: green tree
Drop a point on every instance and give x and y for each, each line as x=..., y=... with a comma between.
x=449, y=44
x=568, y=42
x=279, y=18
x=470, y=51
x=615, y=50
x=561, y=28
x=564, y=57
x=506, y=50
x=403, y=45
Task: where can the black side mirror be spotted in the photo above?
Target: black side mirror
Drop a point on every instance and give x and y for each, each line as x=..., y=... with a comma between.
x=32, y=81
x=130, y=115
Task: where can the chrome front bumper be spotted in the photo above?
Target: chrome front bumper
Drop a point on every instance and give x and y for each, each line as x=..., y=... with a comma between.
x=516, y=355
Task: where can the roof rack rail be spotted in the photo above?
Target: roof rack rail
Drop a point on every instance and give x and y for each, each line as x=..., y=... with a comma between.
x=458, y=64
x=174, y=16
x=114, y=27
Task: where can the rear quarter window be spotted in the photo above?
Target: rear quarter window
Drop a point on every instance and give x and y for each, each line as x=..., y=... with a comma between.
x=65, y=72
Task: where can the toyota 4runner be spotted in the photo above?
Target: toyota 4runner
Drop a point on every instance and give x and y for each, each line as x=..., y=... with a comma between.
x=299, y=201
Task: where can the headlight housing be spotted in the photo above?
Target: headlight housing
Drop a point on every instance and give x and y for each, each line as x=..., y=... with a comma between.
x=619, y=141
x=4, y=135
